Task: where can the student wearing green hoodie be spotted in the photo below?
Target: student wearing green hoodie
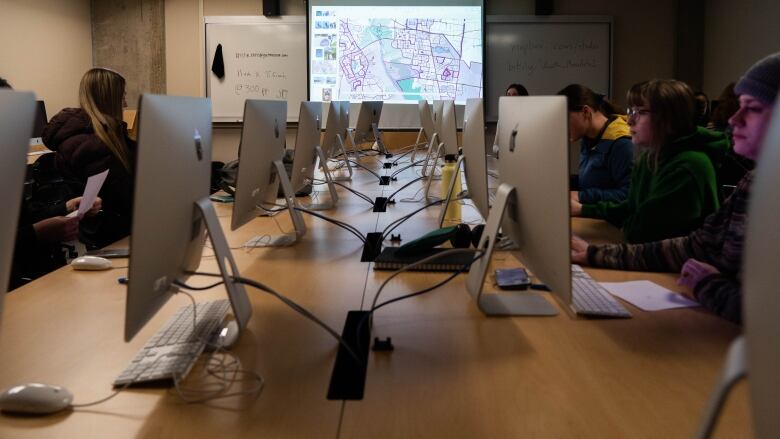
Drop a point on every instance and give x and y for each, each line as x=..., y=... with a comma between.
x=673, y=185
x=606, y=151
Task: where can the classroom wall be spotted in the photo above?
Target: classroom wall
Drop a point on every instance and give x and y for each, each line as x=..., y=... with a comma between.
x=737, y=34
x=129, y=37
x=46, y=48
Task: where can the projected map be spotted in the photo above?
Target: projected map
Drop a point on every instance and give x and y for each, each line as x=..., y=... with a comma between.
x=396, y=54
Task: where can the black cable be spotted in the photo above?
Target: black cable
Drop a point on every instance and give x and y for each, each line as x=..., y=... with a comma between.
x=370, y=312
x=341, y=224
x=399, y=170
x=395, y=162
x=259, y=206
x=181, y=284
x=293, y=305
x=392, y=226
x=390, y=197
x=367, y=169
x=359, y=194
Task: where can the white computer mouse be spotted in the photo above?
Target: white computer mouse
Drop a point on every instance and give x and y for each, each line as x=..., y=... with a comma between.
x=90, y=263
x=35, y=399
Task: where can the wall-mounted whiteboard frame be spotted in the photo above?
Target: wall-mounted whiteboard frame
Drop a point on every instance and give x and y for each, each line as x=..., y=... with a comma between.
x=289, y=36
x=499, y=27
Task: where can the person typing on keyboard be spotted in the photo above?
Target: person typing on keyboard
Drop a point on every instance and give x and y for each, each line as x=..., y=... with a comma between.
x=709, y=259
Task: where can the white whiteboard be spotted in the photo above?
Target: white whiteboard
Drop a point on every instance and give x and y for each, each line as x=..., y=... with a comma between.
x=265, y=58
x=546, y=54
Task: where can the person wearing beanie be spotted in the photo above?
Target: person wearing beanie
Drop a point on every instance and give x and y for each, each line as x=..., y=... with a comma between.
x=710, y=258
x=673, y=183
x=606, y=151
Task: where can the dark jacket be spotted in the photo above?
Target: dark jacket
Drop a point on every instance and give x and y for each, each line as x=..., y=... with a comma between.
x=605, y=163
x=672, y=200
x=32, y=258
x=81, y=154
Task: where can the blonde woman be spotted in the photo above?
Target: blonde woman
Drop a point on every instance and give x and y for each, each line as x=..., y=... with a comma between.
x=90, y=139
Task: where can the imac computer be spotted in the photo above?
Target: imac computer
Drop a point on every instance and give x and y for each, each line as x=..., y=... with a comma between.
x=426, y=127
x=448, y=131
x=17, y=112
x=448, y=136
x=473, y=159
x=334, y=140
x=172, y=211
x=308, y=152
x=40, y=123
x=435, y=151
x=532, y=204
x=367, y=126
x=260, y=169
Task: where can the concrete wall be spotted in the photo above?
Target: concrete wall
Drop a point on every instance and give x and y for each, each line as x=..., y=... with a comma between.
x=737, y=34
x=129, y=37
x=46, y=46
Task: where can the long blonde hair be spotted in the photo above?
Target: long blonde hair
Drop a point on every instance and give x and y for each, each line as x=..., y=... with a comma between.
x=101, y=94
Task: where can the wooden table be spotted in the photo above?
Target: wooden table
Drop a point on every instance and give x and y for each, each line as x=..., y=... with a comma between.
x=454, y=372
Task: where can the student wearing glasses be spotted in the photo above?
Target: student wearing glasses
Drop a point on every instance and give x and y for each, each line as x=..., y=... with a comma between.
x=709, y=259
x=673, y=186
x=606, y=151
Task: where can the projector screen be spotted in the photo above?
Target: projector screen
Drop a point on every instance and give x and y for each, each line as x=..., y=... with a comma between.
x=397, y=52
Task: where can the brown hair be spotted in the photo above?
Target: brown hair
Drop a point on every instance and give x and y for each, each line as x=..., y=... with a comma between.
x=101, y=93
x=671, y=103
x=728, y=104
x=579, y=96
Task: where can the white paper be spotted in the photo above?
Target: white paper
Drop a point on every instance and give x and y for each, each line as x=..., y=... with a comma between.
x=648, y=296
x=94, y=183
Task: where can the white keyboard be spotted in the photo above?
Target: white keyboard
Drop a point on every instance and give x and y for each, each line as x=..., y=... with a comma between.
x=172, y=351
x=588, y=297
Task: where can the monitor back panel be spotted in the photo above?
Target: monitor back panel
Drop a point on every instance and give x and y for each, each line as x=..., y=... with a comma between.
x=306, y=139
x=262, y=142
x=17, y=111
x=536, y=163
x=173, y=171
x=475, y=160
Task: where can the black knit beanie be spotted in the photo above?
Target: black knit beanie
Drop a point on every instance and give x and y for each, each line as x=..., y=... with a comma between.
x=762, y=80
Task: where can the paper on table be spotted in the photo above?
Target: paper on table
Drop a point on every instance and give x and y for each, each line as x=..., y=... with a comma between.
x=94, y=183
x=648, y=296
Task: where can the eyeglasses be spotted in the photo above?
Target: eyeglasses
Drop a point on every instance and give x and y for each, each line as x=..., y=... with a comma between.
x=637, y=112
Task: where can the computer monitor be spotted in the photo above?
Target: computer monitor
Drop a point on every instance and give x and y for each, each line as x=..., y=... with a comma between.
x=260, y=168
x=171, y=209
x=306, y=138
x=40, y=123
x=344, y=108
x=368, y=118
x=448, y=131
x=474, y=160
x=17, y=111
x=438, y=109
x=308, y=152
x=426, y=119
x=532, y=203
x=761, y=302
x=330, y=142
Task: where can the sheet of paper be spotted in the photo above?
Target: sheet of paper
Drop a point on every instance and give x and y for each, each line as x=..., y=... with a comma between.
x=94, y=183
x=648, y=296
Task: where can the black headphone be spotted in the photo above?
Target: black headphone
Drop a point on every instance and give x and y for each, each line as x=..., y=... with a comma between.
x=460, y=236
